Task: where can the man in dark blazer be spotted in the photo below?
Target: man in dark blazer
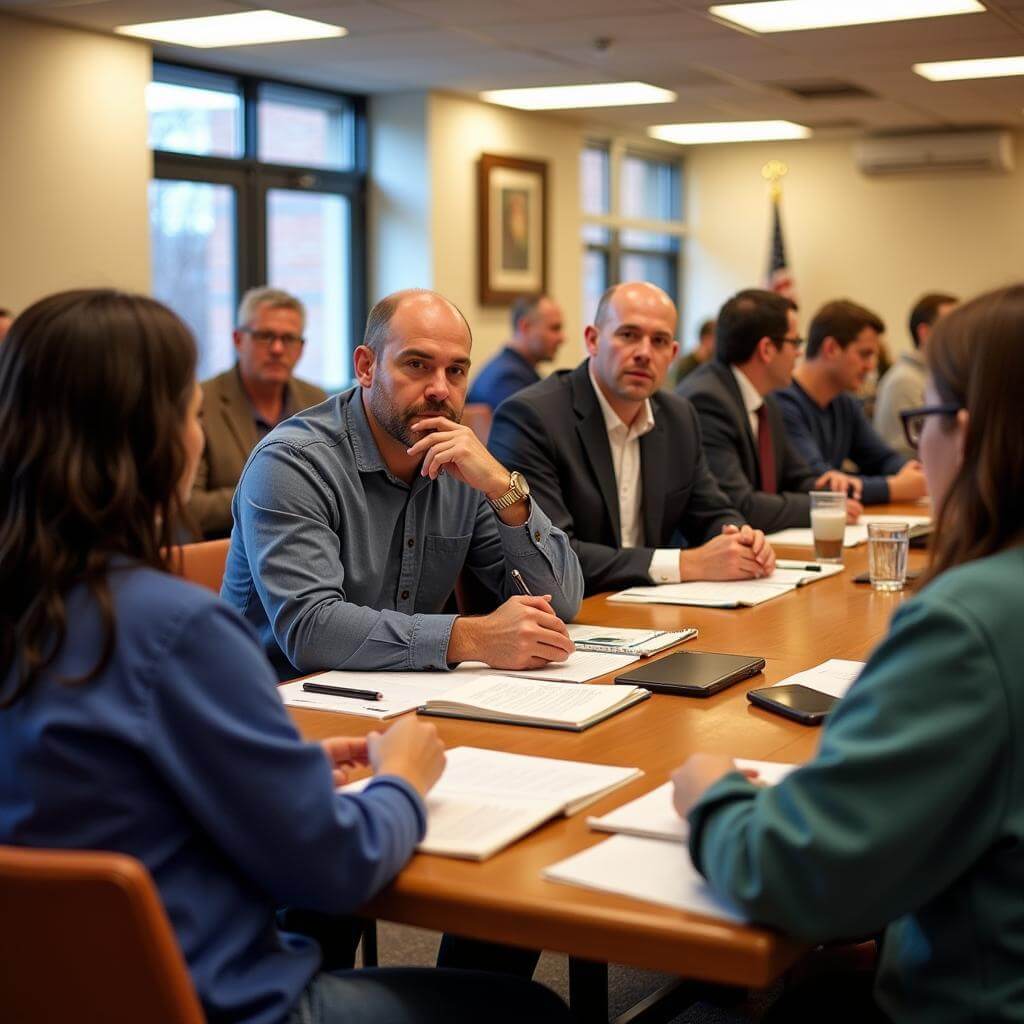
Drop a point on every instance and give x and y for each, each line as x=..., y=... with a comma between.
x=762, y=474
x=243, y=404
x=618, y=464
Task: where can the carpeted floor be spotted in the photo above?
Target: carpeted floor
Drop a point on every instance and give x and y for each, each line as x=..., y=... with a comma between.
x=399, y=945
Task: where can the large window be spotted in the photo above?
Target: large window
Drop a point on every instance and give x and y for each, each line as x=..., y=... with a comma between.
x=257, y=182
x=632, y=227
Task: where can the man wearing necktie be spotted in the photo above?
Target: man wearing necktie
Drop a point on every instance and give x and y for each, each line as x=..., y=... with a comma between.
x=756, y=346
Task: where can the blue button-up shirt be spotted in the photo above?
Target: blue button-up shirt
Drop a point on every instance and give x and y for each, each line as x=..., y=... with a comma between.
x=339, y=564
x=507, y=373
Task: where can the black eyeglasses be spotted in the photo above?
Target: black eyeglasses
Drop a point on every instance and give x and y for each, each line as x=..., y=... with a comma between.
x=268, y=338
x=797, y=343
x=914, y=419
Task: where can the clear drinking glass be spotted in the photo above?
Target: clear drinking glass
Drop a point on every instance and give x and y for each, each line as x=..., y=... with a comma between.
x=888, y=544
x=828, y=524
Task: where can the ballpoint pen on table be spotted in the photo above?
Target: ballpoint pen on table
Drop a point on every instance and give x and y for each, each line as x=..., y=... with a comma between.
x=343, y=691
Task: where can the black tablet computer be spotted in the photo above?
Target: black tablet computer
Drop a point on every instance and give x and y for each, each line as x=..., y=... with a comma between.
x=692, y=673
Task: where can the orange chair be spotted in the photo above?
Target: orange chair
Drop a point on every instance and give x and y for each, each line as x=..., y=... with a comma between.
x=85, y=939
x=203, y=563
x=477, y=416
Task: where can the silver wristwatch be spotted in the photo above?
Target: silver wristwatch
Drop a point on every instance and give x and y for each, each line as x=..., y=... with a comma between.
x=518, y=489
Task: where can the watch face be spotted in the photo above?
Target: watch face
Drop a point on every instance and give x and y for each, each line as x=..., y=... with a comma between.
x=518, y=481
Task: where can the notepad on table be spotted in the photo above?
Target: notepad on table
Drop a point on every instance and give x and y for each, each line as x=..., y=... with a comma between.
x=856, y=533
x=513, y=700
x=487, y=799
x=727, y=594
x=833, y=677
x=403, y=691
x=580, y=667
x=619, y=640
x=653, y=816
x=646, y=869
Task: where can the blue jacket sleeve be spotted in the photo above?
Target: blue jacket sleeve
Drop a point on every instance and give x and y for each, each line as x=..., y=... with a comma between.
x=219, y=735
x=914, y=755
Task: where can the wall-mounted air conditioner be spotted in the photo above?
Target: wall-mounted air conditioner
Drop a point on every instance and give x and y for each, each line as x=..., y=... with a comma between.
x=946, y=151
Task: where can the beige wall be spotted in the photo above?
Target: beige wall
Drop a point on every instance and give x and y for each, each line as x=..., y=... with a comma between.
x=460, y=130
x=882, y=241
x=73, y=161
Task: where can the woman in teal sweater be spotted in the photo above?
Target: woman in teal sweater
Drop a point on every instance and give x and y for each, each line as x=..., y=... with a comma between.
x=911, y=817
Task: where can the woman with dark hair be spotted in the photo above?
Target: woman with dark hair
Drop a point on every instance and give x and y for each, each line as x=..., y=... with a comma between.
x=137, y=713
x=911, y=817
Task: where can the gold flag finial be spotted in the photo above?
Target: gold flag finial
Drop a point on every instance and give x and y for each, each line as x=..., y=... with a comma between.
x=774, y=171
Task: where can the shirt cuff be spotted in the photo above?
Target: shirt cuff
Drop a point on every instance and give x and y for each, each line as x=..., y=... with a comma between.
x=664, y=567
x=523, y=541
x=429, y=642
x=382, y=783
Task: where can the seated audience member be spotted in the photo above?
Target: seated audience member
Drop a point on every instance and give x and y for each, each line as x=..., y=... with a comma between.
x=824, y=420
x=618, y=464
x=741, y=425
x=354, y=520
x=537, y=335
x=914, y=827
x=685, y=365
x=903, y=386
x=138, y=715
x=243, y=404
x=6, y=319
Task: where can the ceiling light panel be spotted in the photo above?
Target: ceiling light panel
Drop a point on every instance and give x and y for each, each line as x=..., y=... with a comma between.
x=572, y=97
x=958, y=70
x=798, y=15
x=247, y=28
x=709, y=132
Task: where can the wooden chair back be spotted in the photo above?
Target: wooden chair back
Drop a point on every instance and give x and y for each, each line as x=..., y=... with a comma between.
x=203, y=563
x=85, y=940
x=477, y=416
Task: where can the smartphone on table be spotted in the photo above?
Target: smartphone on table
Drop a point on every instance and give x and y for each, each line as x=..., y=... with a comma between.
x=800, y=703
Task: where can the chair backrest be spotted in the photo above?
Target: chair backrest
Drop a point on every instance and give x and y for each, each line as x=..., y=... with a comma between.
x=477, y=416
x=203, y=563
x=84, y=939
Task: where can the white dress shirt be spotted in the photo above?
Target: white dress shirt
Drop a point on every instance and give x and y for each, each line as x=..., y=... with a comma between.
x=752, y=398
x=624, y=442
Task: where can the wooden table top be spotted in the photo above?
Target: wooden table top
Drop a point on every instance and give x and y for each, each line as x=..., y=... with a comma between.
x=505, y=898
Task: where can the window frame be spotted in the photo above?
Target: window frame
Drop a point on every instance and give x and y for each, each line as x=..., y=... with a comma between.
x=252, y=179
x=616, y=223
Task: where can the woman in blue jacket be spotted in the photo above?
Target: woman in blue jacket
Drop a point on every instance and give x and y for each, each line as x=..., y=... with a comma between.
x=137, y=713
x=911, y=817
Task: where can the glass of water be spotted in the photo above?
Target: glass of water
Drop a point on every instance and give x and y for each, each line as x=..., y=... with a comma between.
x=888, y=544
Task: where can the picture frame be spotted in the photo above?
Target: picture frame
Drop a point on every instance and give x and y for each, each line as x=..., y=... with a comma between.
x=512, y=236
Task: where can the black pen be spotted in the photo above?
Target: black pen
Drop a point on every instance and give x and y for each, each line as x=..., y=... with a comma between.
x=520, y=583
x=343, y=691
x=782, y=563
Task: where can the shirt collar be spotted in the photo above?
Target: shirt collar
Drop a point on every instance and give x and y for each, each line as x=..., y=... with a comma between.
x=643, y=424
x=914, y=358
x=364, y=444
x=752, y=398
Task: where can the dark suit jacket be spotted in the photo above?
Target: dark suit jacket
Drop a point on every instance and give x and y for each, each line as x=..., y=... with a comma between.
x=230, y=436
x=554, y=433
x=732, y=451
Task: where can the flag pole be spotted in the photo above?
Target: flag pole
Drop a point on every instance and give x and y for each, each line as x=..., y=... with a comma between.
x=778, y=278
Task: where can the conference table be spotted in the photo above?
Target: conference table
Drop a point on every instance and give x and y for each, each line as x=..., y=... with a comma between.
x=505, y=899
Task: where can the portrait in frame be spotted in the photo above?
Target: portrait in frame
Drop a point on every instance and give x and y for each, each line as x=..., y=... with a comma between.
x=512, y=204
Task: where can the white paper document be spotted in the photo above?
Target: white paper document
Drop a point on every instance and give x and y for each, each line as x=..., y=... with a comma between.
x=653, y=816
x=486, y=799
x=518, y=701
x=833, y=677
x=646, y=869
x=579, y=667
x=620, y=640
x=855, y=534
x=403, y=691
x=730, y=594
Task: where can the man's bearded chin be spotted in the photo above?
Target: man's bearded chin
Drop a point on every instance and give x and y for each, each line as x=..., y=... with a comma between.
x=399, y=424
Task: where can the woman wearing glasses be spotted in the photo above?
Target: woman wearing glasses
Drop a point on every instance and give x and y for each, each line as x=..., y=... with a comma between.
x=911, y=817
x=138, y=714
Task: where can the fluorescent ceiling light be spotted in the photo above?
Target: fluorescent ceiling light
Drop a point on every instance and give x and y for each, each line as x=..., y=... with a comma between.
x=244, y=29
x=566, y=97
x=957, y=70
x=795, y=15
x=727, y=131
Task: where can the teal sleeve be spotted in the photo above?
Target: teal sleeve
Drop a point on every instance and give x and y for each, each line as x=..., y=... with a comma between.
x=907, y=791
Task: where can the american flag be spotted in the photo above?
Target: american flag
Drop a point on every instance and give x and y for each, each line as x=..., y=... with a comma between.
x=778, y=278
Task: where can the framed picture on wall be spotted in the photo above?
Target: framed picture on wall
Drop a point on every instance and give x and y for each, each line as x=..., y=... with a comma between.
x=512, y=205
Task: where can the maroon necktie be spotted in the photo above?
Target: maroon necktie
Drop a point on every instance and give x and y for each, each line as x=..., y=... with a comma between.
x=765, y=451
